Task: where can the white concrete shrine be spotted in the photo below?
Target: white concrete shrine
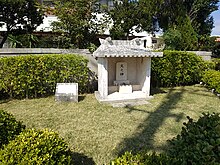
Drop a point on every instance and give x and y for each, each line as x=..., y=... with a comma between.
x=124, y=70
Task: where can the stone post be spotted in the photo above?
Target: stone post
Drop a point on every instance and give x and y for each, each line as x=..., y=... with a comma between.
x=103, y=77
x=146, y=86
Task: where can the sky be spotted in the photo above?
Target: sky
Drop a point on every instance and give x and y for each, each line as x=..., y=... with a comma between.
x=216, y=16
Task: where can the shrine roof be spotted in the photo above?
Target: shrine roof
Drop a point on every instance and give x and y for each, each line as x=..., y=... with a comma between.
x=124, y=48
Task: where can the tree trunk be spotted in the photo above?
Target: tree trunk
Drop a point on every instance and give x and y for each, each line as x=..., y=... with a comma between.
x=5, y=36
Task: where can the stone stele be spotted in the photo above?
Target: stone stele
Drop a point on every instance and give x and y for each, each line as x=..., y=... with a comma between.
x=66, y=92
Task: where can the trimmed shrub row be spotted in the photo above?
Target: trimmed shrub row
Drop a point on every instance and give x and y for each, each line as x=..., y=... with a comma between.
x=178, y=68
x=19, y=146
x=36, y=147
x=217, y=63
x=198, y=143
x=9, y=127
x=144, y=159
x=212, y=79
x=36, y=75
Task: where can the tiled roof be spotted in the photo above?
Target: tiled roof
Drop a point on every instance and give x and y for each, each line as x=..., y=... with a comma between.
x=124, y=48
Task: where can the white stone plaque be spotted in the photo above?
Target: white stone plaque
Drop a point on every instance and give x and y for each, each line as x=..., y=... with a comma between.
x=66, y=92
x=125, y=89
x=121, y=71
x=67, y=88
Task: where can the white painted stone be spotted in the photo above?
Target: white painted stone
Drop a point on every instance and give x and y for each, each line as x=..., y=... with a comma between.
x=66, y=92
x=121, y=74
x=125, y=89
x=121, y=71
x=67, y=88
x=146, y=79
x=103, y=77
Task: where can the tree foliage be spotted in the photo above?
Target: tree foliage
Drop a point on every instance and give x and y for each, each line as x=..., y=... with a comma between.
x=19, y=17
x=133, y=15
x=75, y=21
x=148, y=11
x=125, y=17
x=182, y=37
x=198, y=11
x=198, y=22
x=188, y=19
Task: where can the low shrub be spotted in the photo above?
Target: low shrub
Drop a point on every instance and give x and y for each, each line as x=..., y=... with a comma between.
x=178, y=68
x=36, y=147
x=144, y=159
x=217, y=63
x=216, y=50
x=199, y=142
x=212, y=79
x=34, y=76
x=9, y=127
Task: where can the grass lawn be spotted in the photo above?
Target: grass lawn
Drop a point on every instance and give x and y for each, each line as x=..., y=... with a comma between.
x=97, y=132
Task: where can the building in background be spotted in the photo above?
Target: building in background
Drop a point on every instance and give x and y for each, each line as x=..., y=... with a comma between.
x=150, y=41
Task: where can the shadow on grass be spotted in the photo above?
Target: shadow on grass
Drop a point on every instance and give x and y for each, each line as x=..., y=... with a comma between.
x=81, y=98
x=4, y=98
x=143, y=139
x=4, y=101
x=156, y=91
x=81, y=159
x=205, y=92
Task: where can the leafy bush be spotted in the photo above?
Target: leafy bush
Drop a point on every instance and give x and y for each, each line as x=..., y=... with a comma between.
x=177, y=68
x=9, y=127
x=144, y=159
x=36, y=75
x=198, y=142
x=212, y=79
x=216, y=50
x=36, y=147
x=217, y=63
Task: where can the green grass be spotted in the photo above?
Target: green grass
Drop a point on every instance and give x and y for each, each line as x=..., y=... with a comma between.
x=98, y=132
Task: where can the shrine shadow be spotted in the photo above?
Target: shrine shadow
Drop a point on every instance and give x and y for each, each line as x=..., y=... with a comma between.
x=143, y=137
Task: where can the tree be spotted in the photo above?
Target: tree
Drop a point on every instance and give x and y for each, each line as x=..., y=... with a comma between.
x=75, y=21
x=181, y=37
x=133, y=15
x=198, y=12
x=125, y=17
x=148, y=11
x=19, y=17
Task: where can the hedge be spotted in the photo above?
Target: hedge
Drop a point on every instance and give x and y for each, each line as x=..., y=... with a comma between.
x=198, y=142
x=212, y=80
x=9, y=127
x=34, y=76
x=217, y=63
x=178, y=68
x=36, y=147
x=143, y=158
